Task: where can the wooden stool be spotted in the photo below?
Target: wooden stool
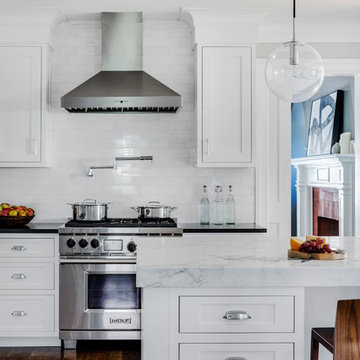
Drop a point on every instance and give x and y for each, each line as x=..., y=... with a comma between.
x=344, y=340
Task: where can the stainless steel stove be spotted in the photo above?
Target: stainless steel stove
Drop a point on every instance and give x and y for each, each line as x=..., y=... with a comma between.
x=98, y=294
x=113, y=238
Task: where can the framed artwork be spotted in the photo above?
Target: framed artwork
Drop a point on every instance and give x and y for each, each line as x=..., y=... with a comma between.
x=326, y=123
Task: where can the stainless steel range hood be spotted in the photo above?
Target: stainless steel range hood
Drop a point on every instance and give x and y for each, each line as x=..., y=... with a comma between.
x=122, y=86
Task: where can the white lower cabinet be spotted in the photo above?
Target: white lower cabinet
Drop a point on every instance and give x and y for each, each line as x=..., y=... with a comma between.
x=26, y=313
x=27, y=276
x=236, y=314
x=29, y=289
x=236, y=352
x=25, y=247
x=246, y=323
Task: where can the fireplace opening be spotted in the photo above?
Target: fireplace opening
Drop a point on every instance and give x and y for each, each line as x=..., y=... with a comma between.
x=325, y=212
x=327, y=227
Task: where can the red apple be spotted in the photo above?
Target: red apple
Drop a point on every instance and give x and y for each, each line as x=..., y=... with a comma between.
x=29, y=212
x=7, y=210
x=3, y=213
x=13, y=213
x=22, y=213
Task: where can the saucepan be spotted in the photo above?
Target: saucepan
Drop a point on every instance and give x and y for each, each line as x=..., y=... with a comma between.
x=89, y=210
x=154, y=210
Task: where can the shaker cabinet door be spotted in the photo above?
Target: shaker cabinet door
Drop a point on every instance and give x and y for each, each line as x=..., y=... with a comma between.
x=226, y=105
x=20, y=104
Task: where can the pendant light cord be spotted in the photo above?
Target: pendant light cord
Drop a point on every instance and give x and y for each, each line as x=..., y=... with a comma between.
x=294, y=9
x=294, y=17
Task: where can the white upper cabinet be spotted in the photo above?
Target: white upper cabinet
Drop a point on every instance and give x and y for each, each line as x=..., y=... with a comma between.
x=23, y=105
x=224, y=106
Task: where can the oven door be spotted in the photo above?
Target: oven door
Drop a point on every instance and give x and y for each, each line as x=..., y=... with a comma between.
x=99, y=297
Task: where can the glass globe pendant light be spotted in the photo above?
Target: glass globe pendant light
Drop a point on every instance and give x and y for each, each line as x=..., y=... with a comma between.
x=295, y=71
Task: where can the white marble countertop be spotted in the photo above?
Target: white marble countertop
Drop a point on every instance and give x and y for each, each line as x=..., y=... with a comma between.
x=254, y=260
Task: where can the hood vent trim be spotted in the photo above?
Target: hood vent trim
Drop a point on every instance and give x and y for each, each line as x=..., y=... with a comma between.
x=124, y=110
x=127, y=89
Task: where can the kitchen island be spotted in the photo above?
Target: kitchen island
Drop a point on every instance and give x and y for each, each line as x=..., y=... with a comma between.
x=193, y=288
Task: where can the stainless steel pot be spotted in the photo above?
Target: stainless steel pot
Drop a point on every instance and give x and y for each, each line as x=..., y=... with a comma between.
x=89, y=210
x=154, y=210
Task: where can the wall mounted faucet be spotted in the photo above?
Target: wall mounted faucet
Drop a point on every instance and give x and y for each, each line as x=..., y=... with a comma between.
x=90, y=172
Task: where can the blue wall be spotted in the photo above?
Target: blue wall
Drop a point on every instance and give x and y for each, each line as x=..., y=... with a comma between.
x=300, y=114
x=298, y=150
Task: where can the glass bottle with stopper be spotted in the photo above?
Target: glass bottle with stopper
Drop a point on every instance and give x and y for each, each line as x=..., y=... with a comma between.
x=230, y=208
x=205, y=208
x=218, y=206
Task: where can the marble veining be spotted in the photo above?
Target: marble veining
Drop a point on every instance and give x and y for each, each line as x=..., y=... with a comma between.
x=247, y=260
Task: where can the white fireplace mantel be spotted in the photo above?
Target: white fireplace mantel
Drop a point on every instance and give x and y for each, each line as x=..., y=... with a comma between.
x=334, y=171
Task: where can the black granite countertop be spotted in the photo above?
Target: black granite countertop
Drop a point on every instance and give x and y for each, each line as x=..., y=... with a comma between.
x=236, y=228
x=33, y=228
x=187, y=228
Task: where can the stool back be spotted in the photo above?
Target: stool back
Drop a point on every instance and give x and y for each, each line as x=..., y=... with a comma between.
x=347, y=330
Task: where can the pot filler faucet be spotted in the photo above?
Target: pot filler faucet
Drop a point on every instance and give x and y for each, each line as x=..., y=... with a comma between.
x=90, y=172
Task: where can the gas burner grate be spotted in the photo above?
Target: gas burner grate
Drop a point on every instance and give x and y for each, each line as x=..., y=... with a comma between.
x=124, y=223
x=168, y=222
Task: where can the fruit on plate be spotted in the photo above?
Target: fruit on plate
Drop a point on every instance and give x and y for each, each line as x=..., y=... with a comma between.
x=313, y=237
x=13, y=210
x=295, y=243
x=316, y=245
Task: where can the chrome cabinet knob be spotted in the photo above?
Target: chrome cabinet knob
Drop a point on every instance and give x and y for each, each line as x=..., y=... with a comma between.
x=18, y=313
x=18, y=276
x=236, y=315
x=18, y=248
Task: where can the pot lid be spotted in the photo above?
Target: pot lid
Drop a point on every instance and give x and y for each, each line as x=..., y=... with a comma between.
x=91, y=202
x=155, y=205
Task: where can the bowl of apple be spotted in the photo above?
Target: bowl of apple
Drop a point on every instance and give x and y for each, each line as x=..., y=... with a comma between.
x=12, y=215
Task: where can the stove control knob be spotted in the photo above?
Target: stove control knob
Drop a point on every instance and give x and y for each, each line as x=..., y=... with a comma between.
x=83, y=243
x=131, y=246
x=71, y=243
x=94, y=243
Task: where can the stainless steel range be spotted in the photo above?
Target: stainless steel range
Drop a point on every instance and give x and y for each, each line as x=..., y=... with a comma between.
x=98, y=294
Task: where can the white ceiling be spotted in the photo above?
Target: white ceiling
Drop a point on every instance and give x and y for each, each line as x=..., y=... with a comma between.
x=90, y=9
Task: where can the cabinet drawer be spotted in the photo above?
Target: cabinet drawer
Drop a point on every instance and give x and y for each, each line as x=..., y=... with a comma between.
x=27, y=247
x=236, y=351
x=236, y=314
x=20, y=314
x=23, y=276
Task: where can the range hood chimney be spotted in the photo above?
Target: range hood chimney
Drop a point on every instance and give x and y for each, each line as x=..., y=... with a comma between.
x=122, y=86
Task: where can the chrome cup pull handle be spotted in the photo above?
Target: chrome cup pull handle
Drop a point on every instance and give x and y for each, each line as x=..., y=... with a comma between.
x=239, y=315
x=18, y=248
x=18, y=313
x=18, y=276
x=235, y=358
